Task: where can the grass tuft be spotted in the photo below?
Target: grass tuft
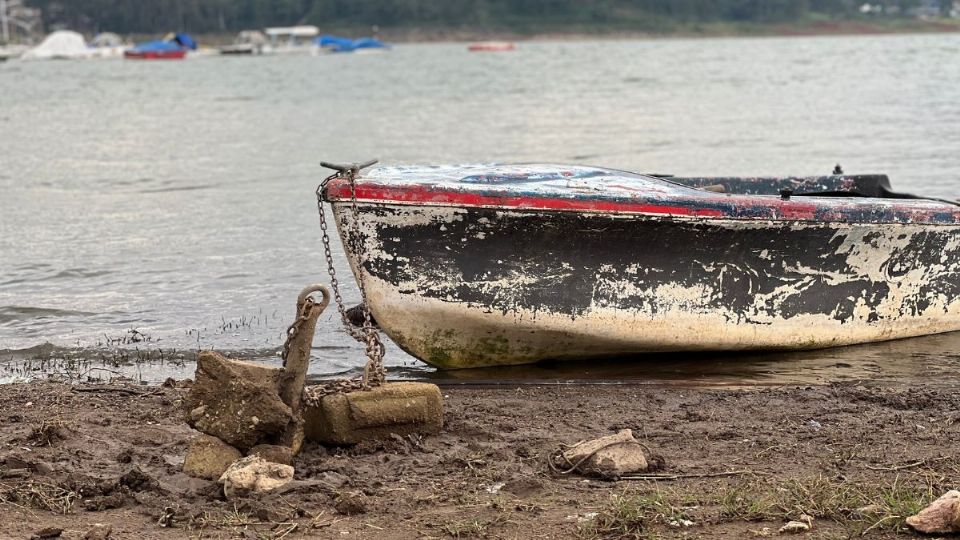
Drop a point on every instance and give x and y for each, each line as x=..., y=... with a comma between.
x=629, y=516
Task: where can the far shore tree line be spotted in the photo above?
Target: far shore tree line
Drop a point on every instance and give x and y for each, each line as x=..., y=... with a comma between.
x=207, y=16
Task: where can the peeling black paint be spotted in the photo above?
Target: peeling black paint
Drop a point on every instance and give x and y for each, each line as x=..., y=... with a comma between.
x=566, y=262
x=866, y=185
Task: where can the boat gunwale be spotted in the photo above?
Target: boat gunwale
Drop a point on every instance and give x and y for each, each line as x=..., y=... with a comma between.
x=373, y=193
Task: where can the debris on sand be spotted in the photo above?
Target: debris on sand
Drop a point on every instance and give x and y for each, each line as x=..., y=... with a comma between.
x=253, y=474
x=608, y=457
x=941, y=517
x=795, y=527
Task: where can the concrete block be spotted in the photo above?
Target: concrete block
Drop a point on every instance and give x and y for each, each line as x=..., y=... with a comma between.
x=208, y=457
x=402, y=408
x=236, y=402
x=273, y=453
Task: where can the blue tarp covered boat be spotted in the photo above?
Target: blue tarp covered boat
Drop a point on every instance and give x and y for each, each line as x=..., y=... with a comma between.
x=342, y=44
x=173, y=48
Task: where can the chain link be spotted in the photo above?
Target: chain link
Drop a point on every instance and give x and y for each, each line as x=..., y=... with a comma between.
x=374, y=373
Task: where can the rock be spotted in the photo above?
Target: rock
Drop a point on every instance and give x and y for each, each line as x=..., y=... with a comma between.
x=608, y=457
x=237, y=402
x=49, y=532
x=941, y=517
x=254, y=474
x=125, y=456
x=794, y=527
x=333, y=479
x=196, y=414
x=350, y=504
x=208, y=457
x=99, y=532
x=394, y=408
x=869, y=510
x=524, y=486
x=137, y=480
x=273, y=453
x=105, y=502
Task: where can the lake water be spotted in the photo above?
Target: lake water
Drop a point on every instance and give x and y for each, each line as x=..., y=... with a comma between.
x=177, y=198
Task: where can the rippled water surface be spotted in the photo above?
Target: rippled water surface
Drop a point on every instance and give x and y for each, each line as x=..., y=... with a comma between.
x=176, y=198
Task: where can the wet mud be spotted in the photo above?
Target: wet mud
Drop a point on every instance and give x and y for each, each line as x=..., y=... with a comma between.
x=854, y=457
x=914, y=360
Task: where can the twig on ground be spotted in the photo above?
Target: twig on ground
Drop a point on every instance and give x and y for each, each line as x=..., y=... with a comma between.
x=920, y=463
x=877, y=524
x=292, y=527
x=682, y=476
x=116, y=389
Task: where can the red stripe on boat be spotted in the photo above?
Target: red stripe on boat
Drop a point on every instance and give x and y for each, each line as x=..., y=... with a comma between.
x=155, y=55
x=420, y=195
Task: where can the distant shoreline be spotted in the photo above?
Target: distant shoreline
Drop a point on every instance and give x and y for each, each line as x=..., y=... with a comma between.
x=688, y=31
x=711, y=30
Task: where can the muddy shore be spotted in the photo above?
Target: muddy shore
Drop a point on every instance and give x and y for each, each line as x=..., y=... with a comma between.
x=856, y=457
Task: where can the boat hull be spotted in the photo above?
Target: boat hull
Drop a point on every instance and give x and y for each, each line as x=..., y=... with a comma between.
x=477, y=286
x=155, y=55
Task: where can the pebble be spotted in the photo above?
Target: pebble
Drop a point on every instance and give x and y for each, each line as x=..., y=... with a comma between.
x=350, y=504
x=794, y=527
x=99, y=532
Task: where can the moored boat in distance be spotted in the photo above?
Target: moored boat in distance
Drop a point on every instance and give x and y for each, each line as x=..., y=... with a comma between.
x=172, y=47
x=473, y=266
x=492, y=46
x=107, y=45
x=60, y=45
x=247, y=42
x=337, y=44
x=11, y=52
x=291, y=40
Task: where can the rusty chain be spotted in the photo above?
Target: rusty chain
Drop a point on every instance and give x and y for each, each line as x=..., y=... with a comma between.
x=374, y=373
x=303, y=314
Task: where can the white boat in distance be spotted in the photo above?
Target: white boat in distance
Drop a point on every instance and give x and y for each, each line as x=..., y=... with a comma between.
x=10, y=52
x=248, y=42
x=60, y=45
x=291, y=40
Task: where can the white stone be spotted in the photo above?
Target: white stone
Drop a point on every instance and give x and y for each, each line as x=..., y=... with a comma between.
x=254, y=474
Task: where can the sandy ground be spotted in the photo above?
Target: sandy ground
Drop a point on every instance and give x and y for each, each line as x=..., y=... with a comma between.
x=856, y=458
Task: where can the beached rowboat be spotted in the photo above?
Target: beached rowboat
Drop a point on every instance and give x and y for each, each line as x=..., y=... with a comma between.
x=495, y=265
